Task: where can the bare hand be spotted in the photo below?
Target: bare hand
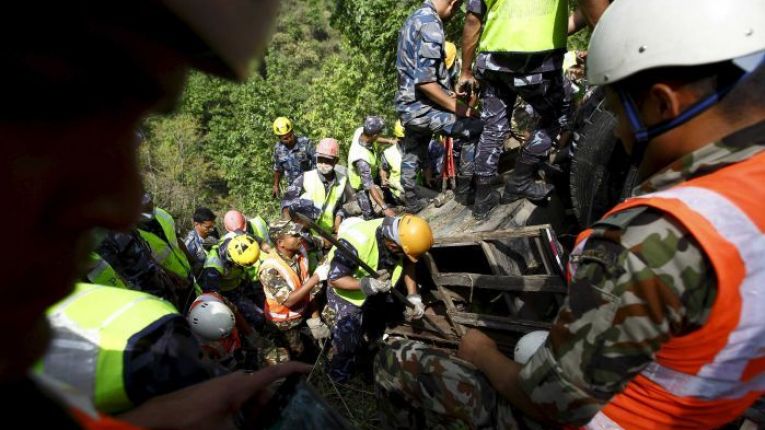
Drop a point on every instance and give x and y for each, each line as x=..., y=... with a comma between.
x=467, y=84
x=473, y=344
x=389, y=212
x=214, y=403
x=276, y=192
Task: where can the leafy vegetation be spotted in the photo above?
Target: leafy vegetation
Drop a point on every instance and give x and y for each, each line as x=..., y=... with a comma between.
x=329, y=64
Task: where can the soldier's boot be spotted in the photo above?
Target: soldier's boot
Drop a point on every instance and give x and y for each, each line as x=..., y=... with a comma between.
x=415, y=205
x=486, y=197
x=523, y=183
x=463, y=193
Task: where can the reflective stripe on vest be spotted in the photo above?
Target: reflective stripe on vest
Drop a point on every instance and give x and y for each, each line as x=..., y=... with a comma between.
x=709, y=377
x=275, y=311
x=103, y=273
x=524, y=26
x=393, y=155
x=231, y=275
x=167, y=252
x=259, y=228
x=313, y=190
x=91, y=329
x=356, y=153
x=363, y=237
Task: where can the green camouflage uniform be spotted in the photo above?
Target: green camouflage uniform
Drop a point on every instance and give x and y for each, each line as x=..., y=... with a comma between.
x=640, y=280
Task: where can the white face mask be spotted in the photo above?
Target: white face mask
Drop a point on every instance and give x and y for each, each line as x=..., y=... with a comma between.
x=324, y=168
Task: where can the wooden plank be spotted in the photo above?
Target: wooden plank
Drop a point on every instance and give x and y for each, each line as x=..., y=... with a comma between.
x=473, y=238
x=491, y=255
x=499, y=323
x=447, y=299
x=527, y=283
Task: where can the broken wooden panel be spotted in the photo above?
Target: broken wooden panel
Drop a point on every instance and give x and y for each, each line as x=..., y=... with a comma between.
x=478, y=269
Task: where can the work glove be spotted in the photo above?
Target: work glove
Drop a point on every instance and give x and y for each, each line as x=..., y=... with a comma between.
x=417, y=311
x=319, y=330
x=371, y=286
x=323, y=271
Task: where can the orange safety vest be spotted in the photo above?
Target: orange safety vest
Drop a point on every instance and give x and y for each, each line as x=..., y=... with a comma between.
x=709, y=377
x=274, y=310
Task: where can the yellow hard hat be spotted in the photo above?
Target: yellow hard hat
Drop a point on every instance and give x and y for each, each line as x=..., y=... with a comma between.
x=398, y=129
x=415, y=236
x=243, y=250
x=282, y=126
x=451, y=54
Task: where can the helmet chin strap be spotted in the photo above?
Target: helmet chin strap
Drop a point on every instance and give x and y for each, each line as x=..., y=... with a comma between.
x=644, y=134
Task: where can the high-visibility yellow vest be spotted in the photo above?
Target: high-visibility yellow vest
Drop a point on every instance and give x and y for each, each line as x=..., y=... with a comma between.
x=356, y=153
x=393, y=155
x=91, y=331
x=258, y=227
x=231, y=274
x=167, y=253
x=524, y=26
x=313, y=190
x=362, y=236
x=102, y=273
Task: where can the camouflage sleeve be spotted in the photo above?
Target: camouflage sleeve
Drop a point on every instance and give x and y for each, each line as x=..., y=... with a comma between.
x=365, y=172
x=429, y=53
x=277, y=164
x=274, y=285
x=311, y=151
x=293, y=192
x=342, y=265
x=640, y=279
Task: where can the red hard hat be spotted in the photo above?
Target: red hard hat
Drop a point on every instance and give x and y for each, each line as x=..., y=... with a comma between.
x=328, y=147
x=234, y=220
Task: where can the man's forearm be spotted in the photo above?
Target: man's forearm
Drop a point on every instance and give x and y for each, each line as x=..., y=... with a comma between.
x=346, y=283
x=410, y=279
x=301, y=293
x=471, y=32
x=277, y=177
x=503, y=374
x=438, y=95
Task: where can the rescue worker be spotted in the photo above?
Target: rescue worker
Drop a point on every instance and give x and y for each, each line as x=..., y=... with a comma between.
x=389, y=245
x=225, y=272
x=124, y=260
x=157, y=227
x=326, y=188
x=121, y=347
x=225, y=336
x=662, y=327
x=293, y=154
x=71, y=165
x=390, y=168
x=204, y=227
x=362, y=168
x=425, y=101
x=288, y=286
x=257, y=227
x=520, y=53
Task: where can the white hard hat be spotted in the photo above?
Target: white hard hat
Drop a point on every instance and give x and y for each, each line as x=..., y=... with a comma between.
x=528, y=345
x=633, y=36
x=211, y=320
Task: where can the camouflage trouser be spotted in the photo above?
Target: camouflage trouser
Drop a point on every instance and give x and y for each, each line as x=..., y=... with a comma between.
x=345, y=321
x=425, y=388
x=419, y=131
x=546, y=92
x=284, y=338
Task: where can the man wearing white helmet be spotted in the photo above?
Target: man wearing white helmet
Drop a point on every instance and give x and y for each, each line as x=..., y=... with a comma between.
x=663, y=326
x=326, y=188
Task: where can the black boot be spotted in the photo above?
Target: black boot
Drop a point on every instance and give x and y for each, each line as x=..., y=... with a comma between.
x=523, y=183
x=464, y=193
x=486, y=197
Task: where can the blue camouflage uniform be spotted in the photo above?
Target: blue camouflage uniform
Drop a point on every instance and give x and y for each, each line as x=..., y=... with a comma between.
x=350, y=323
x=420, y=60
x=537, y=78
x=292, y=162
